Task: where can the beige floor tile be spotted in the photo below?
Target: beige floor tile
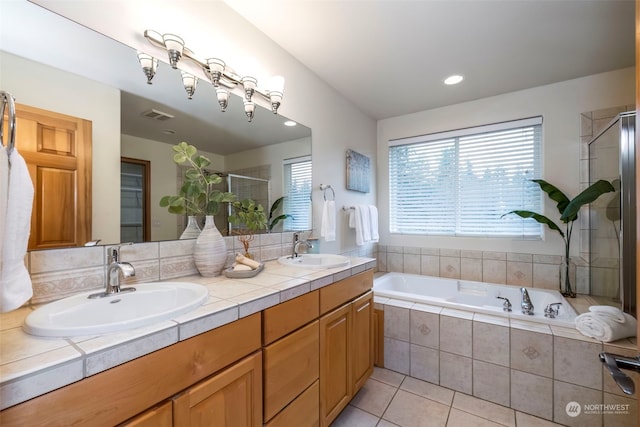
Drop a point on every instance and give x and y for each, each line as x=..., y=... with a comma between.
x=385, y=423
x=386, y=376
x=354, y=417
x=487, y=410
x=428, y=390
x=526, y=420
x=458, y=418
x=409, y=410
x=374, y=397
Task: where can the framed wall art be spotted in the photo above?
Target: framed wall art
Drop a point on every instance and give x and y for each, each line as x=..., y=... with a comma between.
x=358, y=171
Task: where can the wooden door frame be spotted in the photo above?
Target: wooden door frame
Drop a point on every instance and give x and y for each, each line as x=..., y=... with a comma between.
x=146, y=221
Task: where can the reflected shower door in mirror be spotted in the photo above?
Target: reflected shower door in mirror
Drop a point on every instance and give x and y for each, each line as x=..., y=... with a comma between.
x=112, y=86
x=612, y=227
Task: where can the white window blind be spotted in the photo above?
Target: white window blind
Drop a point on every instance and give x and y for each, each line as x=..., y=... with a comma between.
x=461, y=182
x=297, y=189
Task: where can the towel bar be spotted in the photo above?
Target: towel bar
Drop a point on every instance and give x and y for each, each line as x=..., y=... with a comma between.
x=324, y=188
x=7, y=99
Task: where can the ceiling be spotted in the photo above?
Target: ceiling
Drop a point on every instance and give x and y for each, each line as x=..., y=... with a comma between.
x=389, y=57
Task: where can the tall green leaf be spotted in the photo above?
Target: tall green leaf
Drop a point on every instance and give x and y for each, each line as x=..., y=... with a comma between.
x=554, y=194
x=539, y=218
x=595, y=190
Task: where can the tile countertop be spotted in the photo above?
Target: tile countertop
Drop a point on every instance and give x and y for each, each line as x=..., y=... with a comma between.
x=31, y=366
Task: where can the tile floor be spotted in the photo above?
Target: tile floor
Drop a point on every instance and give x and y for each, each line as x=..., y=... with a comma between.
x=391, y=399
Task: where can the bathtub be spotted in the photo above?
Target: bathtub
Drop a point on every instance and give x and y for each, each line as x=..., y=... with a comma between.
x=472, y=296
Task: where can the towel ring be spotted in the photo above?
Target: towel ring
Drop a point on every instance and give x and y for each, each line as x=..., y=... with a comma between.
x=8, y=99
x=324, y=188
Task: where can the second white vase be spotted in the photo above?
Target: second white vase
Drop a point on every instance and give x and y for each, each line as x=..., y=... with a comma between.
x=210, y=251
x=192, y=230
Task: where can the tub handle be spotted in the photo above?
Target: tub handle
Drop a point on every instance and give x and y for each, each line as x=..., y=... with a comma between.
x=506, y=305
x=550, y=311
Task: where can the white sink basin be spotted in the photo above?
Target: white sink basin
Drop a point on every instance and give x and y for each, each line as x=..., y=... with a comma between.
x=315, y=261
x=150, y=302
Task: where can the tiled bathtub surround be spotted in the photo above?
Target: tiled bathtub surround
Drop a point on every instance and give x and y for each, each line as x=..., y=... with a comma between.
x=58, y=273
x=530, y=367
x=519, y=269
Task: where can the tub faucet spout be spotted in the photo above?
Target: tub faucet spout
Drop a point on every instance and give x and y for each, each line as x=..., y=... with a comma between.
x=526, y=305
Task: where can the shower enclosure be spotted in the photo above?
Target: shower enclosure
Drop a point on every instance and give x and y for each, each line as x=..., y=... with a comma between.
x=612, y=227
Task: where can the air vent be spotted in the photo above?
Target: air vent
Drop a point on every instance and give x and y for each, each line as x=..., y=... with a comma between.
x=157, y=115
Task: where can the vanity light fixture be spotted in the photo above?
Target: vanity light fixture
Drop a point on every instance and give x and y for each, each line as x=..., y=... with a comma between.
x=190, y=82
x=216, y=68
x=174, y=46
x=276, y=87
x=453, y=80
x=249, y=109
x=223, y=98
x=149, y=65
x=221, y=76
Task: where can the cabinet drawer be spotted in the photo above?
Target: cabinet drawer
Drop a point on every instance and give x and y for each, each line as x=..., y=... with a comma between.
x=285, y=318
x=302, y=412
x=341, y=292
x=290, y=366
x=160, y=416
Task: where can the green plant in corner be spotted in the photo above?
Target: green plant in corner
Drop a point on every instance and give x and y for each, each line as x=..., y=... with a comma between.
x=250, y=217
x=568, y=215
x=272, y=221
x=198, y=195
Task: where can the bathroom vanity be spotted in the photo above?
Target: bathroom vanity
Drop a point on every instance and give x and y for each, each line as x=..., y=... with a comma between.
x=298, y=362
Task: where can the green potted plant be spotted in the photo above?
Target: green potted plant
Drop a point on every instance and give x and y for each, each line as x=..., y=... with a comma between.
x=568, y=215
x=250, y=217
x=273, y=220
x=198, y=196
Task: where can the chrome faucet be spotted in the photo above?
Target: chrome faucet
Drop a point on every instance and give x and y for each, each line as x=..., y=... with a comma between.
x=114, y=270
x=297, y=242
x=550, y=311
x=506, y=305
x=526, y=305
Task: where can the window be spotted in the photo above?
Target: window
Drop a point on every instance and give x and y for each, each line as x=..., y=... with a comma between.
x=297, y=188
x=460, y=183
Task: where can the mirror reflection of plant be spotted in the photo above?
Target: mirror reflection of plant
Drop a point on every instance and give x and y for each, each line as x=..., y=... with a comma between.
x=568, y=214
x=272, y=221
x=250, y=217
x=197, y=195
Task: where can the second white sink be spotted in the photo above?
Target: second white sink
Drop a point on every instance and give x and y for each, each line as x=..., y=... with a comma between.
x=315, y=261
x=150, y=302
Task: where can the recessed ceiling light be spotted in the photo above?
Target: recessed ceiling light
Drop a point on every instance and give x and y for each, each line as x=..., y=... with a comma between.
x=290, y=123
x=453, y=80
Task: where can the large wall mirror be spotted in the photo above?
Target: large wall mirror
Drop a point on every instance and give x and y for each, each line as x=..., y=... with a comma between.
x=152, y=119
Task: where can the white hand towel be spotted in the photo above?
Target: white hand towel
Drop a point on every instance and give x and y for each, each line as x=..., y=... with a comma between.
x=373, y=215
x=352, y=217
x=358, y=225
x=15, y=283
x=4, y=195
x=606, y=324
x=328, y=224
x=366, y=223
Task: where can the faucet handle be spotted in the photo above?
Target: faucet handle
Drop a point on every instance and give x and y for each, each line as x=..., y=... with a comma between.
x=506, y=306
x=550, y=311
x=114, y=252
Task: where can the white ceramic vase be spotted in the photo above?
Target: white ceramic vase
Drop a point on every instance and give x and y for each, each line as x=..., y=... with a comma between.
x=210, y=251
x=192, y=230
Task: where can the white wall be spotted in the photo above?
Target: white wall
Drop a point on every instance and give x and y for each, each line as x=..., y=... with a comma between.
x=560, y=104
x=41, y=86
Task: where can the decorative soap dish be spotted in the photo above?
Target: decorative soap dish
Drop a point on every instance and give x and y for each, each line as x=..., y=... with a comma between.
x=243, y=274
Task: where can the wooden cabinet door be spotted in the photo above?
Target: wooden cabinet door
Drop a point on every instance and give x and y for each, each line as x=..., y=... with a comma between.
x=57, y=149
x=160, y=416
x=231, y=398
x=335, y=363
x=362, y=340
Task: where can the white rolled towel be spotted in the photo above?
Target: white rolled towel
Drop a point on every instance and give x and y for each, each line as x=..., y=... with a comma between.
x=606, y=323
